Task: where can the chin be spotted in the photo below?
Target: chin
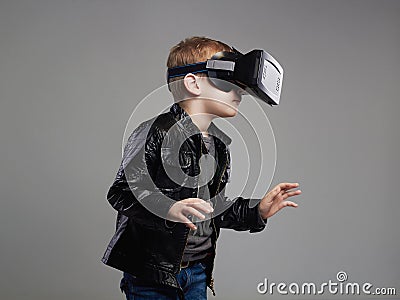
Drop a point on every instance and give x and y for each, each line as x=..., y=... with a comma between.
x=225, y=111
x=228, y=113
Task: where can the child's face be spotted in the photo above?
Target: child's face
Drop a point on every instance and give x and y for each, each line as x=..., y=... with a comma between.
x=218, y=102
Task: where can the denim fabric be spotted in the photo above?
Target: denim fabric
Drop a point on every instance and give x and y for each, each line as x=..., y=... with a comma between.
x=192, y=280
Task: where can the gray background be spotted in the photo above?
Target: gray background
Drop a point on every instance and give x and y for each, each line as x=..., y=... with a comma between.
x=71, y=73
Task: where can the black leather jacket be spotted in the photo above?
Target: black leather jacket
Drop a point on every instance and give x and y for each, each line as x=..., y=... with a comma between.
x=145, y=244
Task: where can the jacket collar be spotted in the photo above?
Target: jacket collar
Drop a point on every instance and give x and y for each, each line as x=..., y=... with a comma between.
x=183, y=117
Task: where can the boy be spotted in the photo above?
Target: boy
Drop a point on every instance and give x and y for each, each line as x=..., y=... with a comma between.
x=170, y=205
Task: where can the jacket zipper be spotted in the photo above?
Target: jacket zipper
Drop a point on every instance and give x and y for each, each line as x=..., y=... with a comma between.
x=211, y=285
x=180, y=263
x=187, y=235
x=215, y=230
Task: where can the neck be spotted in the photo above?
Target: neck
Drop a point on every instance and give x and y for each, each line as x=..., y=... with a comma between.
x=199, y=117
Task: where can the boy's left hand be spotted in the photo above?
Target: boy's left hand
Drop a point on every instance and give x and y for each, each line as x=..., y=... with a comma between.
x=275, y=199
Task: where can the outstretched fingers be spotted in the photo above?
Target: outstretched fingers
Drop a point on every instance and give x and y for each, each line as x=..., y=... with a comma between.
x=287, y=185
x=288, y=194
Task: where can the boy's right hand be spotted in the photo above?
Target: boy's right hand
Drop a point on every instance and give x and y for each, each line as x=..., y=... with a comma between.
x=180, y=211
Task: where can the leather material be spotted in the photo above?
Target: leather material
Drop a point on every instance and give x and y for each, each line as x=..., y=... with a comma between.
x=145, y=244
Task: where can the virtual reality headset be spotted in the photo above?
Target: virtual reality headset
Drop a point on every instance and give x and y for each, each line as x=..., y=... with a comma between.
x=255, y=72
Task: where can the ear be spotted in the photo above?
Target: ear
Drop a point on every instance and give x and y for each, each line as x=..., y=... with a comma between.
x=191, y=83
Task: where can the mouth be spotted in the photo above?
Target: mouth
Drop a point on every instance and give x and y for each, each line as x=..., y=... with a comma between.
x=237, y=101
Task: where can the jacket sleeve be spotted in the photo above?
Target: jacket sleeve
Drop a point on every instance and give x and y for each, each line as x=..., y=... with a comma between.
x=133, y=192
x=240, y=213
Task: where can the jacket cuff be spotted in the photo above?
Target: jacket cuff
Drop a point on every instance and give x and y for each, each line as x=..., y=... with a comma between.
x=260, y=223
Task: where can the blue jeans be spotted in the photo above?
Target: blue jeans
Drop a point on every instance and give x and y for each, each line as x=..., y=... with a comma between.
x=192, y=280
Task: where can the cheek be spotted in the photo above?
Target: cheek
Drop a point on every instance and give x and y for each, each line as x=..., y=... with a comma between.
x=223, y=107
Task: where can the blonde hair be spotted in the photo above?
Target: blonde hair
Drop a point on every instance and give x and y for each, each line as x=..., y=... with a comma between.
x=189, y=51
